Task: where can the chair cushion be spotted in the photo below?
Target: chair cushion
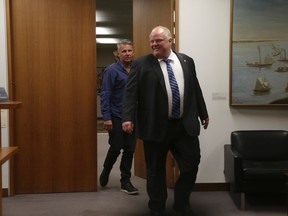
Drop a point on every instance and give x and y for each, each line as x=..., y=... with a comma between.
x=265, y=171
x=261, y=145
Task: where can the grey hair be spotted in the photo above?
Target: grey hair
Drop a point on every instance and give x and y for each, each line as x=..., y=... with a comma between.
x=124, y=42
x=164, y=29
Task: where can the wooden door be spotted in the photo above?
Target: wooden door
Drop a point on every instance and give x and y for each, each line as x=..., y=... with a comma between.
x=52, y=70
x=148, y=14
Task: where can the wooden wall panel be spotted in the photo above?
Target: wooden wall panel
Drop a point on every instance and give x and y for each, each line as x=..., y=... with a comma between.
x=148, y=14
x=53, y=72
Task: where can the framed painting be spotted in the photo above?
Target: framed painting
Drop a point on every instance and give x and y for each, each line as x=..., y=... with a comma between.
x=258, y=59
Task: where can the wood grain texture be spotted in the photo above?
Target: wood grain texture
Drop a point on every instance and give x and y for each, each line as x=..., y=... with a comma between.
x=53, y=54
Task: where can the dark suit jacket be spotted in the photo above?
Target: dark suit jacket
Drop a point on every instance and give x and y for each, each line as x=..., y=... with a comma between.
x=145, y=100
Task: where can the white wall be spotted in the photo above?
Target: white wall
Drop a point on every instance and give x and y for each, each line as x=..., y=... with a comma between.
x=204, y=35
x=3, y=82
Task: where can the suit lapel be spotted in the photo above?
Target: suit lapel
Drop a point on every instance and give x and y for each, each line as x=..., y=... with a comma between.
x=185, y=68
x=158, y=72
x=184, y=65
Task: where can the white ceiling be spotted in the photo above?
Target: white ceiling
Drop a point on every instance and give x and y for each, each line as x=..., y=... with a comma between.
x=116, y=15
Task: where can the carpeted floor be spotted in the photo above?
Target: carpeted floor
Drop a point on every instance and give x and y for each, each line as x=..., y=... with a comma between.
x=110, y=201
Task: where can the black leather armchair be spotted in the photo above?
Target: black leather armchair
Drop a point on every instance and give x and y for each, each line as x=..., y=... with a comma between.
x=256, y=161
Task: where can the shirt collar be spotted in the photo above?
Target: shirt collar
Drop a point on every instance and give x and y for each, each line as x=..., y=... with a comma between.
x=172, y=57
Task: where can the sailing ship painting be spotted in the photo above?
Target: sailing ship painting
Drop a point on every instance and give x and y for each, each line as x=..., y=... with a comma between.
x=262, y=86
x=259, y=58
x=267, y=62
x=279, y=52
x=282, y=69
x=276, y=50
x=258, y=80
x=283, y=57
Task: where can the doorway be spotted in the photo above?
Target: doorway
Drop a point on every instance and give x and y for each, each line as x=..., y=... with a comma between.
x=114, y=21
x=143, y=15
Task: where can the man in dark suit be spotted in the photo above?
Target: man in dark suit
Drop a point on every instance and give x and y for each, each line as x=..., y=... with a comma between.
x=148, y=103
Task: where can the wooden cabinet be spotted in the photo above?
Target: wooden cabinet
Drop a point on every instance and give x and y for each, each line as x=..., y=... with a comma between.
x=6, y=152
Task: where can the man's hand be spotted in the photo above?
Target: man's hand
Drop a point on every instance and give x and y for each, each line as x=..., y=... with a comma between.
x=107, y=125
x=128, y=126
x=205, y=123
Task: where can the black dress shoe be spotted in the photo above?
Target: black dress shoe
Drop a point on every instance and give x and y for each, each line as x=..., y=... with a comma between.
x=157, y=213
x=104, y=178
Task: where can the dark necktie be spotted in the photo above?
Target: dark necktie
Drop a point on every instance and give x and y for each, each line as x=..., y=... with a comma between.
x=175, y=90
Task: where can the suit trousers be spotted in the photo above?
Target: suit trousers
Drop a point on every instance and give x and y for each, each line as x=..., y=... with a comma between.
x=119, y=140
x=186, y=151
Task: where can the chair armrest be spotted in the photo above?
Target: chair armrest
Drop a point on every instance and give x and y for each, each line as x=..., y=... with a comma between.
x=233, y=169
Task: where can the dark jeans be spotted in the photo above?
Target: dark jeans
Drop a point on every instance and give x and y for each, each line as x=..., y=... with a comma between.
x=186, y=152
x=118, y=141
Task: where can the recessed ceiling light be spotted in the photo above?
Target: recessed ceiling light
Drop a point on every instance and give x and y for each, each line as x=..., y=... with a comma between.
x=101, y=16
x=107, y=40
x=104, y=31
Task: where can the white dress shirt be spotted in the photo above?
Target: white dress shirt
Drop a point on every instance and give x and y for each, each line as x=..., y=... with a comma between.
x=178, y=73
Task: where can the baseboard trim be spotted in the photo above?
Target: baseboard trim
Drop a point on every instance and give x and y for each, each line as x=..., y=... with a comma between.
x=211, y=187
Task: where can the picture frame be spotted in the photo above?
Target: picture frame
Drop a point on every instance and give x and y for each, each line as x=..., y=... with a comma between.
x=258, y=59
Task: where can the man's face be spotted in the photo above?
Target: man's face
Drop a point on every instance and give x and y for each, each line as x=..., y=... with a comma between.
x=160, y=44
x=125, y=53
